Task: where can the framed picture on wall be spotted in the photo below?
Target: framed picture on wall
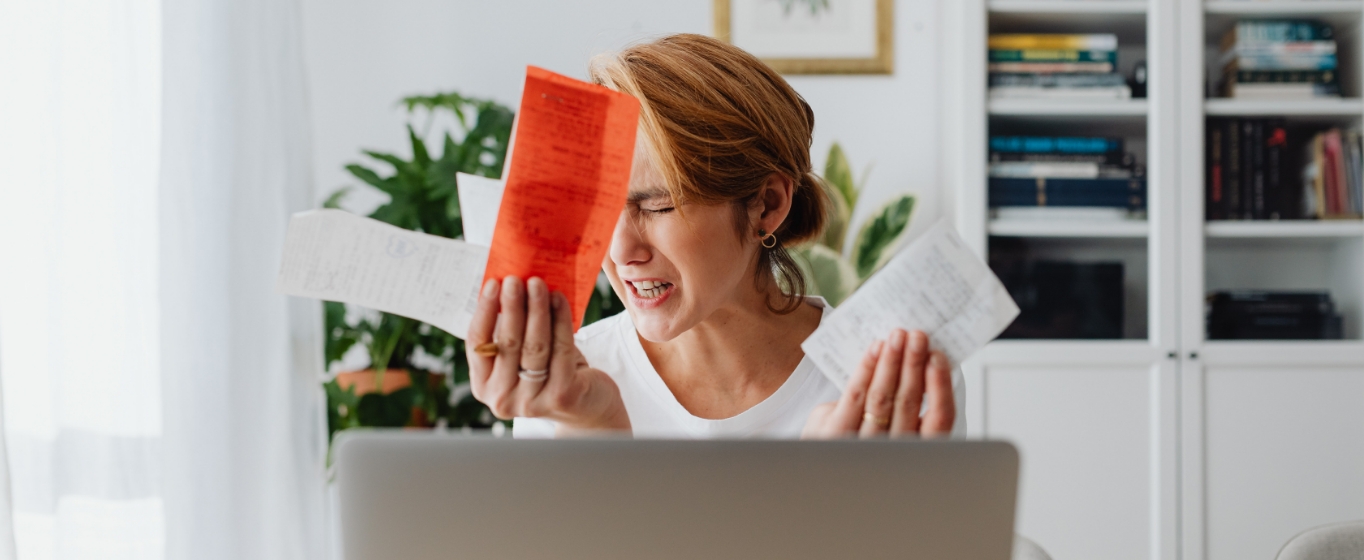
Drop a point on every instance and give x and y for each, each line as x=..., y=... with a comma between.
x=812, y=36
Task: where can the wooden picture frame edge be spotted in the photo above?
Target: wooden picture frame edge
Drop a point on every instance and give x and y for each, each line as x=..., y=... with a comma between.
x=882, y=63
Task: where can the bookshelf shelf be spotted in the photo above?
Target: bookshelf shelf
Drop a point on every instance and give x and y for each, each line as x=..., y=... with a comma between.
x=1067, y=6
x=1351, y=107
x=1069, y=107
x=1084, y=229
x=1295, y=8
x=1285, y=229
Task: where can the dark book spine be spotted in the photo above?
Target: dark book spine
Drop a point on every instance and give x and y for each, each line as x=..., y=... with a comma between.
x=1106, y=192
x=1285, y=76
x=1244, y=211
x=1257, y=182
x=1276, y=141
x=1232, y=187
x=1215, y=201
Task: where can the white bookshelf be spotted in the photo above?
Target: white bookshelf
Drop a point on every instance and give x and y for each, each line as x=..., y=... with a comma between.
x=1160, y=445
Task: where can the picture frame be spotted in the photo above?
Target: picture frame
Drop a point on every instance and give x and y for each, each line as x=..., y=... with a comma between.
x=812, y=36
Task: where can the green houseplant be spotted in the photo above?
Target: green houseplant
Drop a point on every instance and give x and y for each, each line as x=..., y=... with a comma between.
x=828, y=271
x=431, y=370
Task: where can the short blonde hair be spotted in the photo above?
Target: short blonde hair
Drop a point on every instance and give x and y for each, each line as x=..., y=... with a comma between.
x=718, y=123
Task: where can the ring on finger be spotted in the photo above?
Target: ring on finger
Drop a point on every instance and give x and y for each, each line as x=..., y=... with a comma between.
x=533, y=374
x=875, y=421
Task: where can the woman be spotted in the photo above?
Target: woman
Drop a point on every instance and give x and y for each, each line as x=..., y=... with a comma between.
x=710, y=343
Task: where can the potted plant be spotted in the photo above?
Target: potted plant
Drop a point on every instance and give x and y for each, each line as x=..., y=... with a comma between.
x=418, y=375
x=830, y=273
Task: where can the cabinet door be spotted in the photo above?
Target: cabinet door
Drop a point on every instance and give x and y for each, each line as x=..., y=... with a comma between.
x=1089, y=445
x=1283, y=451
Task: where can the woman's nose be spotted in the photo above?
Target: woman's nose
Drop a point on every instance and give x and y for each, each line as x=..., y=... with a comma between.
x=628, y=246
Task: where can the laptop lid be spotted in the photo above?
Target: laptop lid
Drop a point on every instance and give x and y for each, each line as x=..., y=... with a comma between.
x=424, y=495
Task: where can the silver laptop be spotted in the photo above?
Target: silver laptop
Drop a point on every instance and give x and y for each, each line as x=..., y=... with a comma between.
x=423, y=495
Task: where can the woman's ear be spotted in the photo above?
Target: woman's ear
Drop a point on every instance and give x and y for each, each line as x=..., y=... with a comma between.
x=773, y=203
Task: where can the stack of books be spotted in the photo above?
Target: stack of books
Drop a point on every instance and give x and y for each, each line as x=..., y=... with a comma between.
x=1081, y=178
x=1332, y=175
x=1279, y=60
x=1259, y=169
x=1243, y=315
x=1056, y=67
x=1247, y=175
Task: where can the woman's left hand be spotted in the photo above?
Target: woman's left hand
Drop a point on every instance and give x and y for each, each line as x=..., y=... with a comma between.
x=887, y=393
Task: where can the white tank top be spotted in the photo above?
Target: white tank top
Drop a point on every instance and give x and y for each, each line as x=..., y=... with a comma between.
x=612, y=345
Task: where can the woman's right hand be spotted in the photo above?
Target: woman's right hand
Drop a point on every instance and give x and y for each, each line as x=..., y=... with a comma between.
x=533, y=330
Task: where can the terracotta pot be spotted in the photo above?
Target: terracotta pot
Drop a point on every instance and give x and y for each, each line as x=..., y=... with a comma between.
x=363, y=380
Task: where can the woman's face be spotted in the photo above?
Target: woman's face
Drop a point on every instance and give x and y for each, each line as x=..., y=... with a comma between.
x=673, y=271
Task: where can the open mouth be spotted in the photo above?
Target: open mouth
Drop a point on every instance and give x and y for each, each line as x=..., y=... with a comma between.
x=650, y=289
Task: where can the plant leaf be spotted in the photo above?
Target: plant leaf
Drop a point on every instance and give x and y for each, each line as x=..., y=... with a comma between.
x=420, y=156
x=826, y=272
x=838, y=172
x=334, y=201
x=837, y=229
x=881, y=231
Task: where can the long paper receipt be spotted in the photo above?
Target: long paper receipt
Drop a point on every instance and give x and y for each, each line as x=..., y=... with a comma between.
x=936, y=285
x=337, y=256
x=566, y=186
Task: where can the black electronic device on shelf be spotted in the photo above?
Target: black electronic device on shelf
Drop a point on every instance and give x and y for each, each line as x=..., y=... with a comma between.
x=1061, y=299
x=1260, y=315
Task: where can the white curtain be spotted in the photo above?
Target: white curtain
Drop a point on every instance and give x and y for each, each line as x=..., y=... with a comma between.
x=160, y=401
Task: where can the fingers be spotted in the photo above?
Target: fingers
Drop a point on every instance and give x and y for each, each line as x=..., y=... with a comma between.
x=942, y=407
x=909, y=396
x=480, y=332
x=559, y=391
x=536, y=346
x=881, y=395
x=847, y=414
x=511, y=328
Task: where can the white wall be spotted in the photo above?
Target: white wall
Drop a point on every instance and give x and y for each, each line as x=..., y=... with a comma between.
x=363, y=55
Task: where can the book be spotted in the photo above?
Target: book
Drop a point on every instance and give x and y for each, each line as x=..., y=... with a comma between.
x=1095, y=42
x=1044, y=80
x=1053, y=55
x=1120, y=159
x=1214, y=201
x=1233, y=161
x=1064, y=213
x=1072, y=170
x=1271, y=91
x=1056, y=144
x=1119, y=193
x=1281, y=49
x=1257, y=166
x=1051, y=67
x=1254, y=32
x=1251, y=314
x=1291, y=62
x=1113, y=92
x=1281, y=76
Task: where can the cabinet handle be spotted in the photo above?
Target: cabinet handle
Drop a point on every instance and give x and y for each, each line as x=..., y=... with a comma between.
x=1172, y=355
x=1193, y=355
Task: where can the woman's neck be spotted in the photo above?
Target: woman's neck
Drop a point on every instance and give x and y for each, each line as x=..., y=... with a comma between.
x=735, y=358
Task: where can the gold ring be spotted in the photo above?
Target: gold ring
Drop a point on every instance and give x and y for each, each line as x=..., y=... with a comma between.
x=487, y=349
x=878, y=422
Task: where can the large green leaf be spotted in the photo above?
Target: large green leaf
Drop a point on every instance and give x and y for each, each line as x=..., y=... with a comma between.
x=836, y=230
x=826, y=272
x=881, y=232
x=421, y=157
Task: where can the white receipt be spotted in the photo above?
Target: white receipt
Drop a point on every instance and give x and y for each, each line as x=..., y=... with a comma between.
x=936, y=285
x=337, y=256
x=479, y=200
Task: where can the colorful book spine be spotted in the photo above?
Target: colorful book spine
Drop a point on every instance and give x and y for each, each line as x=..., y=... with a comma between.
x=1055, y=144
x=1265, y=31
x=1053, y=55
x=1108, y=158
x=1295, y=48
x=1262, y=63
x=1056, y=80
x=1021, y=42
x=1051, y=67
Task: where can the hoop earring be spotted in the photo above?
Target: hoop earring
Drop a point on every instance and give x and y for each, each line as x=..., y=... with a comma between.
x=766, y=237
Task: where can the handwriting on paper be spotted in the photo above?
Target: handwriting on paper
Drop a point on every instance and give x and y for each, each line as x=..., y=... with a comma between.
x=337, y=256
x=566, y=186
x=936, y=285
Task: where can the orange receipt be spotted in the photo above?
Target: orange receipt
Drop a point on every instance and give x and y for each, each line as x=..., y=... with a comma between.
x=570, y=170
